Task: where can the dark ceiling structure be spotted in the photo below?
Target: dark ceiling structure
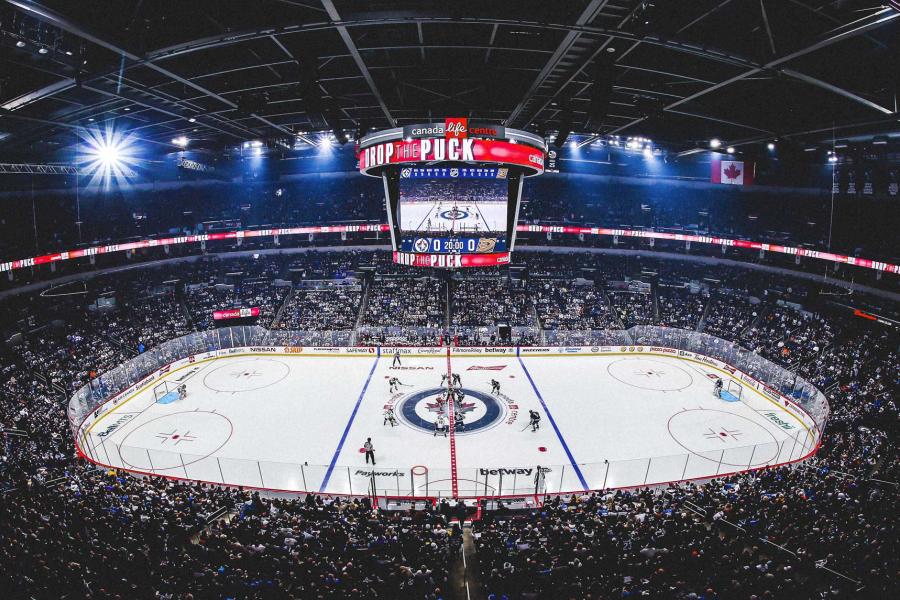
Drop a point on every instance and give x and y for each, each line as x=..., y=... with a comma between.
x=226, y=71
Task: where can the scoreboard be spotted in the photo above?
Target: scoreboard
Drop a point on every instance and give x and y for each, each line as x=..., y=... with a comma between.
x=452, y=189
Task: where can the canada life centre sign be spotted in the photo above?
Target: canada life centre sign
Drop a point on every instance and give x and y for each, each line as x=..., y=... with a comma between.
x=454, y=140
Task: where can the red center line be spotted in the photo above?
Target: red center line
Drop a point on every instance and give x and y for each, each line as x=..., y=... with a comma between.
x=453, y=480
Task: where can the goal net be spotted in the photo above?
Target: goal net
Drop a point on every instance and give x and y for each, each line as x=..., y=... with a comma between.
x=165, y=392
x=732, y=391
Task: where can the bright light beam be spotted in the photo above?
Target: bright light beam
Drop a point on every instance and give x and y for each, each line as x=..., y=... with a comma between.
x=107, y=156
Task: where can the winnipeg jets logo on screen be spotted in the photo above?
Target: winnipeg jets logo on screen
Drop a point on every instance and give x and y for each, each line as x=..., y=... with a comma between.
x=421, y=245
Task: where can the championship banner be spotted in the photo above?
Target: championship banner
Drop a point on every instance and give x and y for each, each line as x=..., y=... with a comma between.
x=235, y=313
x=732, y=172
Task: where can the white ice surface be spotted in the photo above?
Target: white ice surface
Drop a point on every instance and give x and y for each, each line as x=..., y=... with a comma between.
x=278, y=422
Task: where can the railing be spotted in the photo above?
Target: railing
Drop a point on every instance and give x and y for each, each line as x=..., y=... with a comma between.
x=431, y=482
x=434, y=480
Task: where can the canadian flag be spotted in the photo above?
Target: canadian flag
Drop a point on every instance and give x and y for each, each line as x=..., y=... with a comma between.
x=732, y=172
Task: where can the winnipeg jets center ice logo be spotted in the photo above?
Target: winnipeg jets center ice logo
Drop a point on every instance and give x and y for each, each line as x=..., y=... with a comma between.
x=454, y=214
x=479, y=410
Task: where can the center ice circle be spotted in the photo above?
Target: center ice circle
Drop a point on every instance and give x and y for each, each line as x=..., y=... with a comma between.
x=455, y=214
x=421, y=408
x=649, y=374
x=246, y=375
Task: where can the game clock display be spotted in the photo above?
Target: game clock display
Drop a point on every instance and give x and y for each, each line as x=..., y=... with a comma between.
x=453, y=245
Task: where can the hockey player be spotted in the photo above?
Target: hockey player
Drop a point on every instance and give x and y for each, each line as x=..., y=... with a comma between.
x=495, y=386
x=389, y=417
x=440, y=425
x=396, y=362
x=394, y=384
x=718, y=388
x=443, y=379
x=534, y=420
x=182, y=391
x=458, y=419
x=456, y=379
x=370, y=451
x=539, y=479
x=459, y=395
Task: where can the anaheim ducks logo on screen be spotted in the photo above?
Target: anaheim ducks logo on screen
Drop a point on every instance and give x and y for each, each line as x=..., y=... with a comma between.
x=486, y=245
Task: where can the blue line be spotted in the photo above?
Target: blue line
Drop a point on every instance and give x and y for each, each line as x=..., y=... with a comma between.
x=565, y=446
x=347, y=428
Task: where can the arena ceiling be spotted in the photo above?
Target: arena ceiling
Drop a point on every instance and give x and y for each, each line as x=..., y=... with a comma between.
x=226, y=71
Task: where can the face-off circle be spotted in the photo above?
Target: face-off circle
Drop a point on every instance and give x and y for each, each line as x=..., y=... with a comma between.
x=246, y=375
x=420, y=409
x=161, y=444
x=708, y=432
x=649, y=374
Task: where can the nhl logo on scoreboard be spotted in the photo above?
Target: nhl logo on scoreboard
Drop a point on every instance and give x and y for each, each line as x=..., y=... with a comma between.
x=420, y=245
x=454, y=172
x=405, y=173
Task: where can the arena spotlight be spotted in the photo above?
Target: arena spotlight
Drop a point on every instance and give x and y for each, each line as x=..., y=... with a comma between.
x=180, y=141
x=107, y=156
x=730, y=149
x=771, y=146
x=715, y=143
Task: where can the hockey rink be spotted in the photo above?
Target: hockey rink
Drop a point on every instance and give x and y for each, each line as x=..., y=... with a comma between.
x=298, y=422
x=461, y=216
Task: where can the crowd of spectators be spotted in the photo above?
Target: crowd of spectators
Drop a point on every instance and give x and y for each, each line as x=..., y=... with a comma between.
x=409, y=301
x=328, y=307
x=570, y=305
x=489, y=301
x=680, y=307
x=632, y=308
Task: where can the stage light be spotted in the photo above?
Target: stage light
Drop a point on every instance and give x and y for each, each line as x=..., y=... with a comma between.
x=192, y=120
x=325, y=141
x=770, y=146
x=648, y=152
x=107, y=155
x=832, y=158
x=42, y=50
x=715, y=143
x=180, y=141
x=730, y=149
x=256, y=144
x=20, y=44
x=573, y=145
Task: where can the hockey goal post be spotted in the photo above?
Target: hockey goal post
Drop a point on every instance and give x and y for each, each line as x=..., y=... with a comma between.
x=732, y=391
x=165, y=392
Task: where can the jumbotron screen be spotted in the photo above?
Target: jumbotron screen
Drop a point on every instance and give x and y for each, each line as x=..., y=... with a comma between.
x=453, y=189
x=453, y=210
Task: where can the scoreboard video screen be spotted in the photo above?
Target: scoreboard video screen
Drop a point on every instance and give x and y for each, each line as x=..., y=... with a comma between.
x=452, y=189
